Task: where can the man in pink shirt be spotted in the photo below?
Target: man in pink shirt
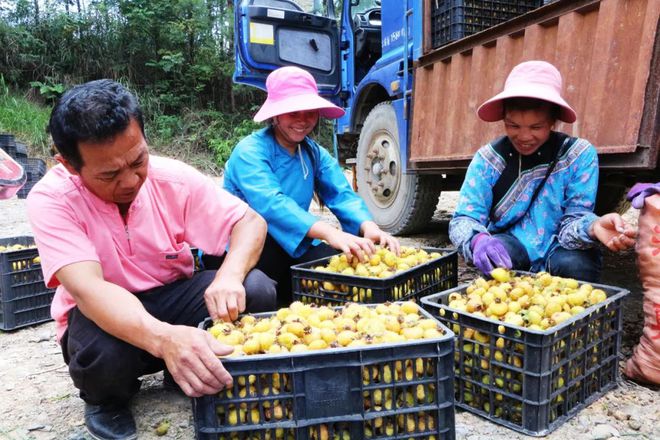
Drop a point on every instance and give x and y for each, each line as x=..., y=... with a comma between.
x=113, y=226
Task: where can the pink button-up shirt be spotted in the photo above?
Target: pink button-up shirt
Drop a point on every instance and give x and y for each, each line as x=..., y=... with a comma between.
x=177, y=206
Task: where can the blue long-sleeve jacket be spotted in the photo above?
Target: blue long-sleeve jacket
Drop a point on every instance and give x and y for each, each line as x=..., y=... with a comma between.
x=560, y=216
x=280, y=187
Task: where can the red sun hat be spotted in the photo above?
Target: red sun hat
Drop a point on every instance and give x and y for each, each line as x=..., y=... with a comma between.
x=531, y=79
x=292, y=89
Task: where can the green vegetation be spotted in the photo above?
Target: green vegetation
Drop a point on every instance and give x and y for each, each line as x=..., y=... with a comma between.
x=25, y=120
x=203, y=139
x=176, y=55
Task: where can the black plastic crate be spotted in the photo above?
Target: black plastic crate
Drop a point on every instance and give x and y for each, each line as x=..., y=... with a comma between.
x=35, y=169
x=325, y=288
x=455, y=19
x=15, y=149
x=394, y=391
x=533, y=381
x=24, y=298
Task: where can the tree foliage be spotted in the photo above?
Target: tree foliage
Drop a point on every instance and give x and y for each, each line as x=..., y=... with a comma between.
x=178, y=50
x=177, y=55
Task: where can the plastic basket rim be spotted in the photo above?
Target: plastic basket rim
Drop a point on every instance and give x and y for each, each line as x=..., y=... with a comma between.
x=621, y=292
x=447, y=336
x=305, y=267
x=4, y=240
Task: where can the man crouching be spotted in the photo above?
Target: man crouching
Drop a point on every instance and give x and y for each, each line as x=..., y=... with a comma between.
x=113, y=226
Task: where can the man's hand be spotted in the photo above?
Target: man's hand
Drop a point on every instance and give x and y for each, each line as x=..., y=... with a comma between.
x=191, y=355
x=613, y=232
x=225, y=298
x=371, y=231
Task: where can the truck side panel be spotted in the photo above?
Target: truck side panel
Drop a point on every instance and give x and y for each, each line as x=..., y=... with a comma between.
x=606, y=50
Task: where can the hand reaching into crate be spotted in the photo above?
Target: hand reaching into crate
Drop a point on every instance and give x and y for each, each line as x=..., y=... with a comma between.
x=488, y=252
x=225, y=299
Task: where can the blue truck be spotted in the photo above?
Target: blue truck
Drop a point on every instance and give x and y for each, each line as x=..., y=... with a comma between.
x=410, y=74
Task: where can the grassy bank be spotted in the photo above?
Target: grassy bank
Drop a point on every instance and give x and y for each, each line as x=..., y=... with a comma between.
x=26, y=120
x=201, y=138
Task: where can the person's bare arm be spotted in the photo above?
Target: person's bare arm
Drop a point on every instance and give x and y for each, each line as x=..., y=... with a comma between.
x=189, y=353
x=225, y=297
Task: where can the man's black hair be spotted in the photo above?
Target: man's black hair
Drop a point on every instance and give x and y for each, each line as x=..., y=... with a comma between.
x=92, y=112
x=524, y=104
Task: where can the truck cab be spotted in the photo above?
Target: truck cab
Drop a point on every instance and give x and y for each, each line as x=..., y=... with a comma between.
x=410, y=74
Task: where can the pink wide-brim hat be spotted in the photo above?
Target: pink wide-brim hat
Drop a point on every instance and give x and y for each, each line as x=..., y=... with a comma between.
x=292, y=89
x=531, y=79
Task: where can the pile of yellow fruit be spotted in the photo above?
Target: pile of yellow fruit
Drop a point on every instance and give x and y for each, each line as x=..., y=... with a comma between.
x=537, y=302
x=490, y=364
x=15, y=247
x=382, y=264
x=303, y=327
x=267, y=396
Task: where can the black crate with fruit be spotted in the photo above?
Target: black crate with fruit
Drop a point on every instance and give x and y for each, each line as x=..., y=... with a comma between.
x=308, y=372
x=531, y=350
x=24, y=298
x=336, y=280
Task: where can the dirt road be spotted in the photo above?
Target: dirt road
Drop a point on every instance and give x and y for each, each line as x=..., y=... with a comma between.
x=39, y=402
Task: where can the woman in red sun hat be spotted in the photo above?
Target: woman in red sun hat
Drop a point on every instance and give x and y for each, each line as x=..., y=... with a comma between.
x=277, y=170
x=528, y=197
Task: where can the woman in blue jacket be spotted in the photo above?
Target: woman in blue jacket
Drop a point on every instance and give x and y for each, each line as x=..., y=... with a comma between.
x=277, y=170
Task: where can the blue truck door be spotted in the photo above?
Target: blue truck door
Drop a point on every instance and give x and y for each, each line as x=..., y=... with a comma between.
x=274, y=33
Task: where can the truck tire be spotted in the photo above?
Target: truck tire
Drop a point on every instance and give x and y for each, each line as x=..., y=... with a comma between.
x=400, y=203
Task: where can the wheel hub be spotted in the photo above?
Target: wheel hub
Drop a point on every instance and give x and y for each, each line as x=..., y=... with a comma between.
x=383, y=169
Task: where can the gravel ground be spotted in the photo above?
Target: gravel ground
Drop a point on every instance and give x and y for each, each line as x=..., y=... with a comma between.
x=38, y=400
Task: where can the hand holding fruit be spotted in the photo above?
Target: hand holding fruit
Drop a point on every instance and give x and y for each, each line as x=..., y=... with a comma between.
x=225, y=300
x=488, y=252
x=191, y=355
x=351, y=244
x=613, y=232
x=371, y=231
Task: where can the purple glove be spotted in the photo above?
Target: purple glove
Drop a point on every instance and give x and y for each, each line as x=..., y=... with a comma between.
x=640, y=191
x=488, y=252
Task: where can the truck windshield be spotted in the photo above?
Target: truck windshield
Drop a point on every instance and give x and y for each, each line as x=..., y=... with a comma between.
x=317, y=7
x=364, y=5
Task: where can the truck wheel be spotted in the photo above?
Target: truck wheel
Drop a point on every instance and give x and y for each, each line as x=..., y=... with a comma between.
x=400, y=203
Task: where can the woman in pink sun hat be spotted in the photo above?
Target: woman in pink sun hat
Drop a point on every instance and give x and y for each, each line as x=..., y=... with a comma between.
x=528, y=197
x=277, y=170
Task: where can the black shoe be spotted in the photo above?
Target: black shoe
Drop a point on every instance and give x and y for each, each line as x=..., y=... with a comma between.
x=110, y=422
x=169, y=383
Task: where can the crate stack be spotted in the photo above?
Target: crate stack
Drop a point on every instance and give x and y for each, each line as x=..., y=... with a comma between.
x=454, y=19
x=24, y=298
x=34, y=168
